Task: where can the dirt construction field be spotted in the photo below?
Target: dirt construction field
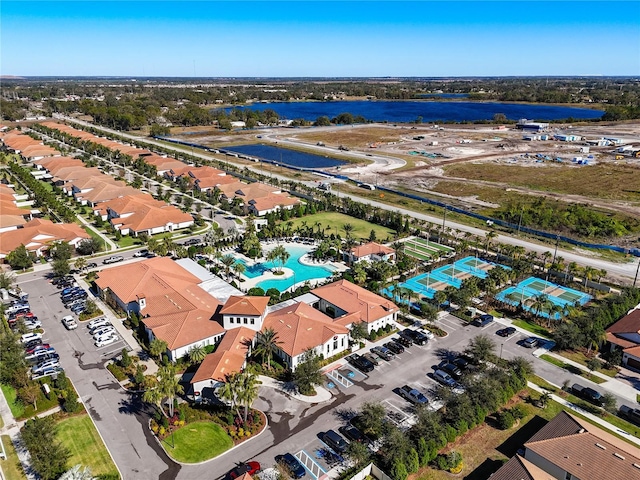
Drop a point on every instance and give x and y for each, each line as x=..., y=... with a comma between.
x=477, y=166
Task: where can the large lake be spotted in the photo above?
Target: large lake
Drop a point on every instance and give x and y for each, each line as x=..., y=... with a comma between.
x=430, y=111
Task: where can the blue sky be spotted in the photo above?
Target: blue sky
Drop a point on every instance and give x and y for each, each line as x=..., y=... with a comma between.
x=323, y=38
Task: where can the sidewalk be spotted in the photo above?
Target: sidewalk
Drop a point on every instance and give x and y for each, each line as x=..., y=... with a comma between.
x=104, y=238
x=586, y=414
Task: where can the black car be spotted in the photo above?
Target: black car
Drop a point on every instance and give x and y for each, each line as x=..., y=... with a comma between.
x=415, y=336
x=404, y=341
x=461, y=362
x=335, y=441
x=451, y=369
x=394, y=347
x=360, y=363
x=91, y=265
x=589, y=394
x=292, y=464
x=191, y=241
x=506, y=332
x=351, y=433
x=483, y=320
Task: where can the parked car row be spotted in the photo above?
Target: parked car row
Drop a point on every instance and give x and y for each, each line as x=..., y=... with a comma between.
x=42, y=358
x=19, y=314
x=74, y=298
x=102, y=331
x=448, y=372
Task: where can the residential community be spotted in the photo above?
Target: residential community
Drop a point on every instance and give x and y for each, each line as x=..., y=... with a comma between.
x=228, y=305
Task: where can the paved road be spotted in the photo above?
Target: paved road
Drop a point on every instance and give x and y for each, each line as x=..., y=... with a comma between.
x=623, y=272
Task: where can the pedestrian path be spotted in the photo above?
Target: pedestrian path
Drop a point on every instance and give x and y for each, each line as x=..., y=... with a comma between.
x=107, y=240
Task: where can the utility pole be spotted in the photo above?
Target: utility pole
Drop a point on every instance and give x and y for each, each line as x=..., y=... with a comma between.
x=636, y=278
x=520, y=221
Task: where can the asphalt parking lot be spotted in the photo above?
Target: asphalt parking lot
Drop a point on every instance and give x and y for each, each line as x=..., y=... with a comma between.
x=294, y=426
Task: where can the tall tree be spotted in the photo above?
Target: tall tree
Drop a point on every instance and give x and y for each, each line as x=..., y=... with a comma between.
x=248, y=391
x=279, y=255
x=481, y=348
x=169, y=384
x=157, y=347
x=20, y=258
x=308, y=372
x=267, y=344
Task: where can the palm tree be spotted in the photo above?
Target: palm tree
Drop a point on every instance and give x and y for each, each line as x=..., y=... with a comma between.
x=238, y=269
x=488, y=237
x=196, y=354
x=554, y=309
x=544, y=400
x=279, y=255
x=247, y=391
x=267, y=342
x=7, y=280
x=230, y=390
x=227, y=261
x=169, y=384
x=540, y=303
x=80, y=263
x=157, y=347
x=154, y=396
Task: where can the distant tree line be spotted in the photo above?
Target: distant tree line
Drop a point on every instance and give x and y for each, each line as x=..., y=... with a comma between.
x=133, y=105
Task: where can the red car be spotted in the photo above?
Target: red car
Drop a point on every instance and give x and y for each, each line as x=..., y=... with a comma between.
x=250, y=467
x=37, y=348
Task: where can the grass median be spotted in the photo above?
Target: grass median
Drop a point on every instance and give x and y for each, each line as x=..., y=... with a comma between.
x=81, y=437
x=197, y=442
x=11, y=467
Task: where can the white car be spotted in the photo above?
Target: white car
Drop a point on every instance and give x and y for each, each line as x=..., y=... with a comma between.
x=102, y=330
x=69, y=322
x=97, y=323
x=104, y=341
x=427, y=333
x=27, y=337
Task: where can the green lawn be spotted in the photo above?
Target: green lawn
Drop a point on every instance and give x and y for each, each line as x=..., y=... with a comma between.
x=80, y=436
x=333, y=222
x=10, y=394
x=11, y=467
x=532, y=327
x=20, y=411
x=128, y=241
x=197, y=442
x=581, y=358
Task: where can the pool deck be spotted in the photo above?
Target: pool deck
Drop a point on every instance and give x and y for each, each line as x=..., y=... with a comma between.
x=287, y=272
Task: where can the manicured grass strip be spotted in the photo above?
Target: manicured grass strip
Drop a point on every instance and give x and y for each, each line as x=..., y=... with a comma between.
x=571, y=368
x=80, y=436
x=197, y=442
x=532, y=327
x=17, y=409
x=421, y=247
x=581, y=358
x=11, y=467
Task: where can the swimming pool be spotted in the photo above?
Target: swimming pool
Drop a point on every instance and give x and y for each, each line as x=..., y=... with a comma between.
x=302, y=272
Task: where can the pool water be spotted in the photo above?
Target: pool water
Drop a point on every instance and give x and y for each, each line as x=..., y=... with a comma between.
x=302, y=272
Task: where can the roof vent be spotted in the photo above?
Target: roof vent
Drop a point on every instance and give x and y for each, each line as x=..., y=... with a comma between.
x=637, y=466
x=599, y=445
x=582, y=430
x=619, y=456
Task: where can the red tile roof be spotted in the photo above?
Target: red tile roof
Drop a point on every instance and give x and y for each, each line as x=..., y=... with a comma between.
x=38, y=233
x=353, y=299
x=300, y=327
x=245, y=305
x=371, y=248
x=229, y=357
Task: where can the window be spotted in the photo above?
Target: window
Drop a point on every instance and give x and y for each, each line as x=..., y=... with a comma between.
x=335, y=344
x=230, y=319
x=253, y=322
x=245, y=320
x=328, y=348
x=342, y=342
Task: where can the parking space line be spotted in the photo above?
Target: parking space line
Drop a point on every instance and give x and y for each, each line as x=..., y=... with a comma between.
x=303, y=457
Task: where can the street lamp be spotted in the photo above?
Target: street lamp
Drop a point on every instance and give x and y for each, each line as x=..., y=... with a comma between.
x=636, y=277
x=501, y=345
